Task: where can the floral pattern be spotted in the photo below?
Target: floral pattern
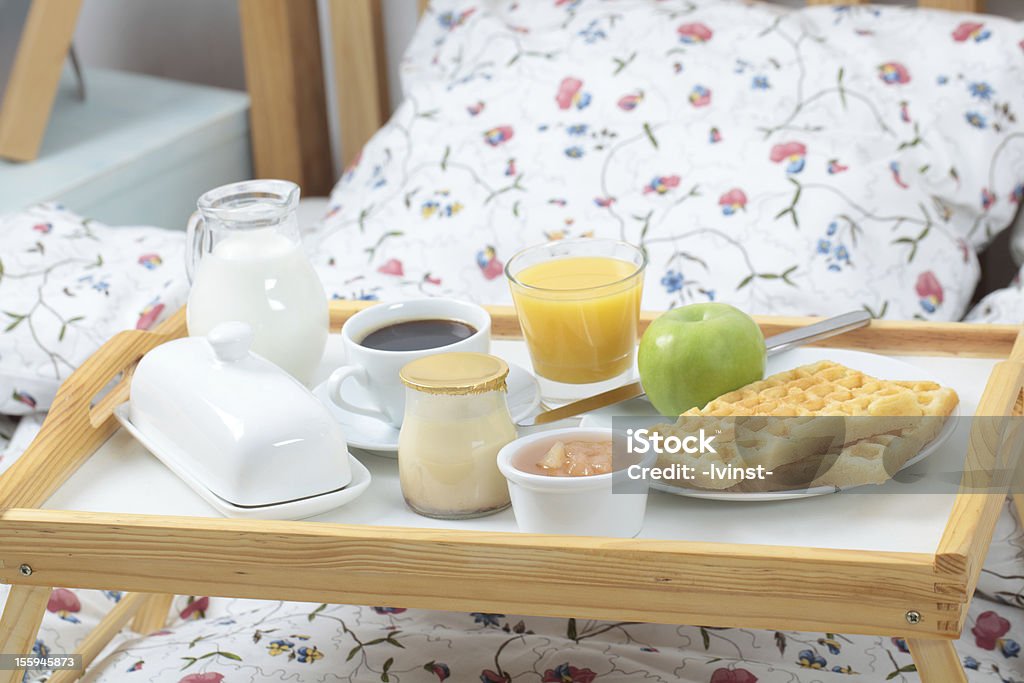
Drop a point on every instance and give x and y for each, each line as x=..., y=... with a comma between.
x=65, y=604
x=786, y=161
x=67, y=284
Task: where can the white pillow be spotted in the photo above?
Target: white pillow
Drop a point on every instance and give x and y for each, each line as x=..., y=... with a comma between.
x=788, y=161
x=67, y=284
x=1004, y=305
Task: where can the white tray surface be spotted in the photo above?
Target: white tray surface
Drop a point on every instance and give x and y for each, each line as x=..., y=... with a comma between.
x=122, y=477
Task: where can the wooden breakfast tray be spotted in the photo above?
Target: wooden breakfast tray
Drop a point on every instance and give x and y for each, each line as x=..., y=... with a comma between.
x=921, y=596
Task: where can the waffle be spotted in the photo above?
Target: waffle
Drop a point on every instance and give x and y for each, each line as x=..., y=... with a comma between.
x=841, y=428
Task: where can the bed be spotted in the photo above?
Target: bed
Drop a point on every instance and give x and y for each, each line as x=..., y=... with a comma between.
x=360, y=257
x=713, y=147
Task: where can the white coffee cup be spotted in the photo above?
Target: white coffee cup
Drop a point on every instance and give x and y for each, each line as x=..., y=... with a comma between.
x=377, y=370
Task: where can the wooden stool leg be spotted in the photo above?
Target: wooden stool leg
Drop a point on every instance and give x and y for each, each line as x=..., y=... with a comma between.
x=152, y=616
x=20, y=622
x=937, y=661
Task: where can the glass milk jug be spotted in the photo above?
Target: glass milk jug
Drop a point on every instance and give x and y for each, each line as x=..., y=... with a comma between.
x=245, y=261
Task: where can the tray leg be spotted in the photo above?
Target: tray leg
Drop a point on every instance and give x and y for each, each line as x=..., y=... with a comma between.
x=936, y=661
x=100, y=636
x=20, y=623
x=152, y=616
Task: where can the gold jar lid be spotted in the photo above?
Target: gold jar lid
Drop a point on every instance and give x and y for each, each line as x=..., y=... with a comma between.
x=455, y=374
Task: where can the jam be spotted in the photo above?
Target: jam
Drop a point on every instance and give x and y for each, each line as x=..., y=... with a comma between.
x=576, y=458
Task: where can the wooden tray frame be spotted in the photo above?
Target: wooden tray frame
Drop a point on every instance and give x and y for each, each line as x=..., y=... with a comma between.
x=920, y=596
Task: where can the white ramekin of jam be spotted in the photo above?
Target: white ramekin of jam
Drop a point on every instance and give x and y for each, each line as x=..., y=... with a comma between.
x=561, y=482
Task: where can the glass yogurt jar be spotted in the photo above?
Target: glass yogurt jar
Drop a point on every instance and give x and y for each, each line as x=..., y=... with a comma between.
x=456, y=421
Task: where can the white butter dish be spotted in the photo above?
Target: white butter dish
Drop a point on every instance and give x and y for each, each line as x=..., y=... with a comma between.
x=293, y=509
x=236, y=426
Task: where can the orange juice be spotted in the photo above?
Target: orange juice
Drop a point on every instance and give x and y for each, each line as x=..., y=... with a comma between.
x=579, y=316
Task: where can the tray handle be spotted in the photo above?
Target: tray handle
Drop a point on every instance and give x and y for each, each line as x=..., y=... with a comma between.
x=81, y=417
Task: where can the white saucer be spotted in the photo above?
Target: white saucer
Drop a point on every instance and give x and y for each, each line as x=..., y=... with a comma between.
x=290, y=509
x=372, y=434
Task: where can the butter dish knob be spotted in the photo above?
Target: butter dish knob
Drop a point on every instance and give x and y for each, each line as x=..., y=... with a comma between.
x=231, y=341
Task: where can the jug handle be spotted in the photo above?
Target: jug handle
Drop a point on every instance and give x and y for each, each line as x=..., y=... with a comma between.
x=194, y=235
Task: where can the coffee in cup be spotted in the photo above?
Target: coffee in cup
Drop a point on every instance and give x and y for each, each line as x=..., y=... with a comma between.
x=380, y=340
x=418, y=335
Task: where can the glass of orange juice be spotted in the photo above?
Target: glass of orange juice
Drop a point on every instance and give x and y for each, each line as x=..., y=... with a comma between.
x=579, y=306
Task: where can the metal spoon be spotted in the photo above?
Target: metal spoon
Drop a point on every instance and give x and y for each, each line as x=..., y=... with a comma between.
x=775, y=344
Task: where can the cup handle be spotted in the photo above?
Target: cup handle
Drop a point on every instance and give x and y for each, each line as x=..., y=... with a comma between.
x=194, y=236
x=335, y=382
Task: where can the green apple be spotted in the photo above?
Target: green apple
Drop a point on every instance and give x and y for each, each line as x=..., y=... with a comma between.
x=693, y=354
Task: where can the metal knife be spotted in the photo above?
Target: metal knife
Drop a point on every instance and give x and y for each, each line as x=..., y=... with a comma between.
x=775, y=344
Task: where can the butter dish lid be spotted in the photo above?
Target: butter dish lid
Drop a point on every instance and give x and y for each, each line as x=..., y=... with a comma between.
x=243, y=427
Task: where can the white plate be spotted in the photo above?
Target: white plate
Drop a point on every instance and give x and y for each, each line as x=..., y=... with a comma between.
x=369, y=433
x=292, y=509
x=873, y=364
